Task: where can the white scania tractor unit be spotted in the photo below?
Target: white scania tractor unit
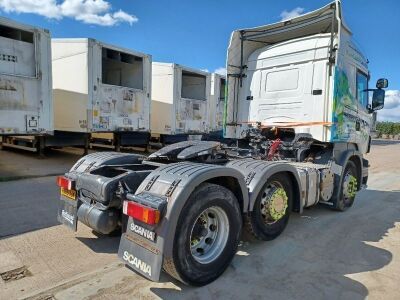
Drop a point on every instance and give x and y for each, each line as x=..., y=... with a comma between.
x=297, y=106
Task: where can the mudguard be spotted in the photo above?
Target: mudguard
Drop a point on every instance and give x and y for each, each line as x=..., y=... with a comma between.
x=344, y=158
x=91, y=185
x=94, y=160
x=341, y=158
x=173, y=182
x=256, y=173
x=97, y=186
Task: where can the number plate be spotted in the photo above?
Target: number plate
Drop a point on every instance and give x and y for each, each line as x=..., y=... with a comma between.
x=71, y=194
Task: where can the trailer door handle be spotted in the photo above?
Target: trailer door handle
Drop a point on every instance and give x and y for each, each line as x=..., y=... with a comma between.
x=249, y=98
x=317, y=92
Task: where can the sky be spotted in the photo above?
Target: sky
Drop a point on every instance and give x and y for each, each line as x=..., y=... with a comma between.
x=196, y=33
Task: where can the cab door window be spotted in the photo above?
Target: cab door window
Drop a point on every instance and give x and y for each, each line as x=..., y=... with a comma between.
x=362, y=86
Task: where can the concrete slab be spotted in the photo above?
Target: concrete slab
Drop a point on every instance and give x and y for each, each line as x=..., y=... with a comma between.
x=55, y=254
x=9, y=261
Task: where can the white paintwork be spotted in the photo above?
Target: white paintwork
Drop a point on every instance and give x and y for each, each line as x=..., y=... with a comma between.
x=283, y=64
x=25, y=80
x=171, y=112
x=217, y=102
x=285, y=50
x=84, y=103
x=281, y=78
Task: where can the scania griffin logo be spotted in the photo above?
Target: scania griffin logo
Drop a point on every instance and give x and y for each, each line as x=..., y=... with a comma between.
x=137, y=263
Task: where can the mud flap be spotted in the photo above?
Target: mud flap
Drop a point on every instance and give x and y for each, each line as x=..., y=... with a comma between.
x=140, y=259
x=67, y=213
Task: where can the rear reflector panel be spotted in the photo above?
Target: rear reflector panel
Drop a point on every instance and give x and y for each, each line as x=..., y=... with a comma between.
x=65, y=183
x=142, y=213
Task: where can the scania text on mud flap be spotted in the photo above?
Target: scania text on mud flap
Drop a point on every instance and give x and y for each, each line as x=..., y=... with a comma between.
x=297, y=107
x=146, y=233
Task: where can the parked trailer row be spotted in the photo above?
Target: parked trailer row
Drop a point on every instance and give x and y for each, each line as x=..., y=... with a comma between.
x=68, y=92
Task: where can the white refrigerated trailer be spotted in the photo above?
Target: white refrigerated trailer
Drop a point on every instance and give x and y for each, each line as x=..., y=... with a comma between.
x=180, y=99
x=101, y=88
x=217, y=105
x=26, y=106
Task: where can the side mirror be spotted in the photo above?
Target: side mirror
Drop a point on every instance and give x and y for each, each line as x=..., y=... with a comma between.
x=382, y=83
x=378, y=99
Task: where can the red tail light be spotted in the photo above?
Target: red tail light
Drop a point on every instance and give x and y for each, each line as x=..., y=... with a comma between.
x=65, y=183
x=142, y=213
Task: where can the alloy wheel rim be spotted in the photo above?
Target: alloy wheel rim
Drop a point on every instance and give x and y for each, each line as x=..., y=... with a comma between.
x=209, y=235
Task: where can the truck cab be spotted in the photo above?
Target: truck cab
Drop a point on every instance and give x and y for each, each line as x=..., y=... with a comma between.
x=306, y=74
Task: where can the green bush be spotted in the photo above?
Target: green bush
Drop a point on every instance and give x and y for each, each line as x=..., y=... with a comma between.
x=388, y=127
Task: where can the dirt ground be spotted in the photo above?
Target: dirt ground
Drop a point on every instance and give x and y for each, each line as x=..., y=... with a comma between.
x=321, y=255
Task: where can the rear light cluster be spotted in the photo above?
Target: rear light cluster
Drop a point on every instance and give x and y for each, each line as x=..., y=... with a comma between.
x=141, y=213
x=65, y=183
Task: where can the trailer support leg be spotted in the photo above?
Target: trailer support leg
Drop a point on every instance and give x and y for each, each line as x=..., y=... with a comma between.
x=87, y=144
x=40, y=145
x=117, y=141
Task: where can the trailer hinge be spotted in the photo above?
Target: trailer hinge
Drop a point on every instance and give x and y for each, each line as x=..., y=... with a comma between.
x=172, y=188
x=238, y=75
x=234, y=75
x=250, y=177
x=151, y=182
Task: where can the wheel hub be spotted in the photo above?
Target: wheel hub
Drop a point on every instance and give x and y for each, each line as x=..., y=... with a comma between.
x=350, y=186
x=274, y=204
x=209, y=235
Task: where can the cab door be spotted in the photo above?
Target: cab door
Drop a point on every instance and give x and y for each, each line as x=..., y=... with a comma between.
x=364, y=119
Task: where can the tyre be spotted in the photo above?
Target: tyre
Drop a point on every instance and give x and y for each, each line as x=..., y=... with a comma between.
x=206, y=237
x=271, y=210
x=348, y=188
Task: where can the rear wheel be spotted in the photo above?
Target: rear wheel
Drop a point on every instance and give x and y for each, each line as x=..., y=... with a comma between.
x=348, y=188
x=207, y=235
x=272, y=209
